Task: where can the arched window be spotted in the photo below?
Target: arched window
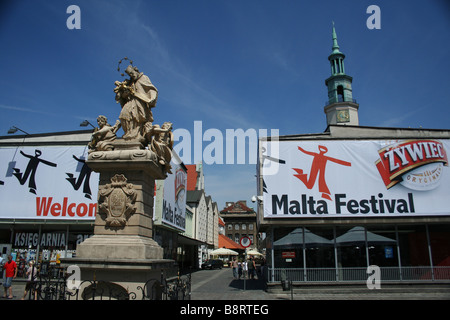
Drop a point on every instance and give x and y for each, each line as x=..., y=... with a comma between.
x=340, y=92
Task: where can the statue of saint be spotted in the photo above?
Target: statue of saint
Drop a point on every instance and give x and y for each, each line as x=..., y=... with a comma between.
x=137, y=96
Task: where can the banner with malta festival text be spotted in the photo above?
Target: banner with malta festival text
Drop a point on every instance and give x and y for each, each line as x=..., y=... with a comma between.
x=47, y=182
x=356, y=178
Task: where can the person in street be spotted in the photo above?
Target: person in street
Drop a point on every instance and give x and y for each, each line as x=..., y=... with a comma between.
x=10, y=273
x=240, y=269
x=251, y=268
x=31, y=276
x=244, y=269
x=234, y=265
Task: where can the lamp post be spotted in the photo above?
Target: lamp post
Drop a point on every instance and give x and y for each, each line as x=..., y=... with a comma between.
x=14, y=129
x=85, y=123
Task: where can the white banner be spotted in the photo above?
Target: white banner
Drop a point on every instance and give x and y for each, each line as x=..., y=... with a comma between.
x=174, y=195
x=47, y=182
x=355, y=178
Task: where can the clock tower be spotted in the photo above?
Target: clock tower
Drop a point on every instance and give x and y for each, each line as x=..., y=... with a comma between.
x=341, y=108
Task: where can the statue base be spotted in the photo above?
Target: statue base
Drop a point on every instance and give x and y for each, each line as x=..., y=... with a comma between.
x=121, y=279
x=129, y=247
x=122, y=253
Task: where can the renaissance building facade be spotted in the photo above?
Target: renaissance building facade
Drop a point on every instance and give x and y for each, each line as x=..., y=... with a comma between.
x=334, y=203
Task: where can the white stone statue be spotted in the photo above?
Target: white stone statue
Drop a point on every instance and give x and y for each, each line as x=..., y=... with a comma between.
x=137, y=96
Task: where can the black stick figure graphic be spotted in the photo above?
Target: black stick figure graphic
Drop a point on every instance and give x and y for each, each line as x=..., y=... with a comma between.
x=30, y=171
x=85, y=174
x=265, y=157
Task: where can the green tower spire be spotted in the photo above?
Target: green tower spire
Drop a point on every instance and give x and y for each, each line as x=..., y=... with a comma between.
x=341, y=108
x=336, y=57
x=335, y=43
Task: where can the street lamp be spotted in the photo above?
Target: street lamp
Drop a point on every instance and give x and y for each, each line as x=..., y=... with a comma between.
x=85, y=123
x=14, y=130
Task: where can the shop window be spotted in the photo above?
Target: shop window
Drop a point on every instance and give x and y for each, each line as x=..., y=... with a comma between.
x=288, y=248
x=439, y=241
x=382, y=246
x=413, y=245
x=351, y=247
x=319, y=246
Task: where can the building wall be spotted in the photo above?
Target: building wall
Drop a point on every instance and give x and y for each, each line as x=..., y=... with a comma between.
x=412, y=242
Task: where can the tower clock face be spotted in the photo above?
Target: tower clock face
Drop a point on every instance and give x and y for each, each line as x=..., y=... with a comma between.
x=343, y=116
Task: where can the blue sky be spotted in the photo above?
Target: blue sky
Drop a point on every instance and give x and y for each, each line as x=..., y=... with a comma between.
x=230, y=64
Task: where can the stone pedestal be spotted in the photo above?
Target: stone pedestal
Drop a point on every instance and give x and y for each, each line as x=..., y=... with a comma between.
x=122, y=250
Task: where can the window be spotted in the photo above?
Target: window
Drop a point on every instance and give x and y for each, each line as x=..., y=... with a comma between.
x=244, y=226
x=351, y=247
x=340, y=92
x=236, y=226
x=439, y=240
x=319, y=247
x=382, y=246
x=250, y=226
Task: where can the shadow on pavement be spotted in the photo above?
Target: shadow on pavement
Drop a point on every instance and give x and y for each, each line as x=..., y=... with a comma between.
x=248, y=284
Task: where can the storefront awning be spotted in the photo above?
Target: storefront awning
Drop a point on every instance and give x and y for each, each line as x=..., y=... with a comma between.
x=189, y=241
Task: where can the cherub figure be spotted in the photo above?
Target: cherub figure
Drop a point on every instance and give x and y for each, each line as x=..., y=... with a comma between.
x=103, y=135
x=161, y=143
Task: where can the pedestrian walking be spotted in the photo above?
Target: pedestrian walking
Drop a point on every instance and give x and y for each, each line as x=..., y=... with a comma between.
x=31, y=277
x=10, y=273
x=244, y=269
x=234, y=265
x=240, y=269
x=251, y=268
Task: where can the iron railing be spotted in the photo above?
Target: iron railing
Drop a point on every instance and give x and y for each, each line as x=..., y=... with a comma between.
x=416, y=273
x=53, y=285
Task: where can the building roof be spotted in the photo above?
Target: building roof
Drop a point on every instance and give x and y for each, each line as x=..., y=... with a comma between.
x=225, y=242
x=340, y=132
x=78, y=137
x=194, y=195
x=192, y=175
x=239, y=207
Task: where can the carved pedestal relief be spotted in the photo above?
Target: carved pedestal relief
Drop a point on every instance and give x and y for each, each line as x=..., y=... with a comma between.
x=117, y=200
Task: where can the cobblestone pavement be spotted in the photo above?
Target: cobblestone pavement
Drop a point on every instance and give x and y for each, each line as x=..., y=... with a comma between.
x=220, y=285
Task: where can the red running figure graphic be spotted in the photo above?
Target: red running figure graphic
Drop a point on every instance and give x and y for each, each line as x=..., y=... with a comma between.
x=318, y=168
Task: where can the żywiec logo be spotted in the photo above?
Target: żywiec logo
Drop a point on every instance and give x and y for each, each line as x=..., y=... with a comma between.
x=416, y=164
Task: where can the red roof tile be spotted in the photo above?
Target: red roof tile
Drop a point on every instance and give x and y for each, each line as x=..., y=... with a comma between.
x=191, y=177
x=225, y=242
